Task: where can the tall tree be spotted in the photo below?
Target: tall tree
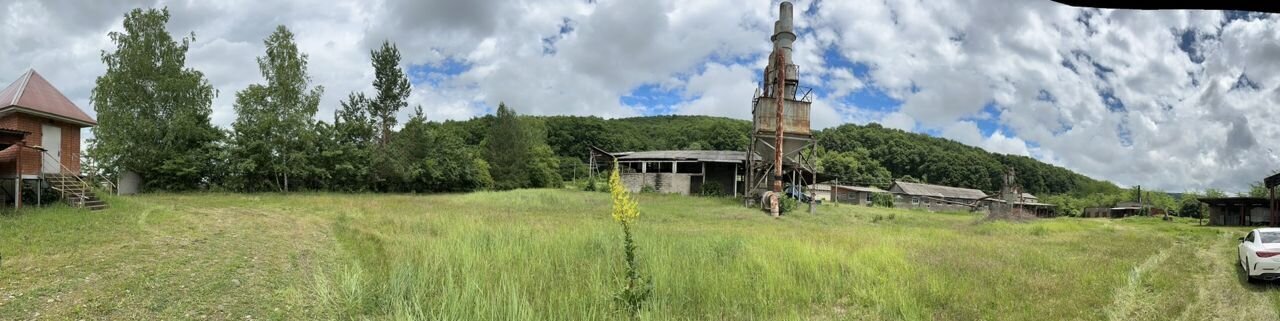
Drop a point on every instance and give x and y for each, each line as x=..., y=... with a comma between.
x=517, y=152
x=274, y=119
x=153, y=111
x=348, y=154
x=437, y=160
x=392, y=86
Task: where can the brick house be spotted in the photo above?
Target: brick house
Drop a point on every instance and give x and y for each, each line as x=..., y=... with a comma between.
x=39, y=133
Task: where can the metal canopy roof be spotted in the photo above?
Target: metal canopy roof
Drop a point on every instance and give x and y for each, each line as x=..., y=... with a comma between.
x=861, y=189
x=1235, y=201
x=714, y=156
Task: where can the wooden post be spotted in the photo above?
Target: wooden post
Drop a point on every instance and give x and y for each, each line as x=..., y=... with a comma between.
x=1271, y=202
x=17, y=181
x=779, y=95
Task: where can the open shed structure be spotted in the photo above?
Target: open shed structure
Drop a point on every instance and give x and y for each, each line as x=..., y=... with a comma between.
x=40, y=142
x=1238, y=211
x=683, y=172
x=1273, y=212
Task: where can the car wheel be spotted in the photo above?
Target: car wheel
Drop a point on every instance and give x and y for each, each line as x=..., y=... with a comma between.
x=1248, y=278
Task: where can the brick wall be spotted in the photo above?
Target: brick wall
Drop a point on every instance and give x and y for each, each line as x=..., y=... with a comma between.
x=71, y=148
x=30, y=158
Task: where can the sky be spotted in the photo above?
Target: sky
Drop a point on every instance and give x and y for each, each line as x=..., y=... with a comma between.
x=1171, y=100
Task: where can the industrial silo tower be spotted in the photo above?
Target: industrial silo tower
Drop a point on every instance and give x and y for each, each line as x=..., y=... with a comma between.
x=774, y=156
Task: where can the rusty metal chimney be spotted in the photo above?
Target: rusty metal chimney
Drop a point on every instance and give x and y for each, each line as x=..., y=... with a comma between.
x=783, y=37
x=780, y=119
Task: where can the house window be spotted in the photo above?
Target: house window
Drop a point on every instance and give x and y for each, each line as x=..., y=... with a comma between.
x=915, y=200
x=868, y=198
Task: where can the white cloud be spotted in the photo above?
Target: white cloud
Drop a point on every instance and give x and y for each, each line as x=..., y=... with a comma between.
x=966, y=132
x=1039, y=70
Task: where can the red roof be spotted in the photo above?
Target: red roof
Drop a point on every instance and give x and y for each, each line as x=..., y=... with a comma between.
x=32, y=94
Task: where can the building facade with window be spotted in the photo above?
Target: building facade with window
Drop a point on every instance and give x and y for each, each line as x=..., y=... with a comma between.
x=856, y=195
x=936, y=197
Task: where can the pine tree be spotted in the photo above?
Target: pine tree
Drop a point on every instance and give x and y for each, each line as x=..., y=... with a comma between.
x=506, y=150
x=517, y=152
x=392, y=86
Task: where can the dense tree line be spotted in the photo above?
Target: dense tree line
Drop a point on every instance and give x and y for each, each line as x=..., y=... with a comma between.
x=154, y=120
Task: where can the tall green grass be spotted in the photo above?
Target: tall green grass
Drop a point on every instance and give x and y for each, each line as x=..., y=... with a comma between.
x=556, y=255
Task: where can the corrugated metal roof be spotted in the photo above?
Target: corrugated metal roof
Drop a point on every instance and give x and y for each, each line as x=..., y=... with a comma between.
x=32, y=94
x=868, y=189
x=939, y=191
x=722, y=156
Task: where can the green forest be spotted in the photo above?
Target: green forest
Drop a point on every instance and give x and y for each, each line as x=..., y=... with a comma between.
x=154, y=120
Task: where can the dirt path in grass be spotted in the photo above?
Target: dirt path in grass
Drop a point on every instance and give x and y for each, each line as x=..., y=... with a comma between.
x=1214, y=287
x=1221, y=292
x=1129, y=303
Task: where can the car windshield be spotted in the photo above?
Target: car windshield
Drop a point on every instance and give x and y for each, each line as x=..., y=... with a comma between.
x=1269, y=237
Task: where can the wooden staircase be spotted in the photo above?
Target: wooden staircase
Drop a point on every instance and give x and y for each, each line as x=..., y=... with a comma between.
x=75, y=191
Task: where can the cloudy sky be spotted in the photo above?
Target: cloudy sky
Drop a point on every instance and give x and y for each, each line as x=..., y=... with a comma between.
x=1176, y=100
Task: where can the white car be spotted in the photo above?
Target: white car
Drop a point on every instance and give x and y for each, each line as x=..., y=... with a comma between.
x=1260, y=254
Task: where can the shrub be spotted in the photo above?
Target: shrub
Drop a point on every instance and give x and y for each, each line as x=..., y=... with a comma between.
x=643, y=189
x=712, y=190
x=882, y=200
x=786, y=204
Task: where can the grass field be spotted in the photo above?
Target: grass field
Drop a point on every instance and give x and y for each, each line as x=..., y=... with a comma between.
x=556, y=255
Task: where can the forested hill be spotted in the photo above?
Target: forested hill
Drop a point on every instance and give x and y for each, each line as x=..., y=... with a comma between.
x=947, y=162
x=867, y=155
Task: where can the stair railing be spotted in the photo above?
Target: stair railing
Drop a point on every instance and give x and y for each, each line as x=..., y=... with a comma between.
x=83, y=184
x=98, y=175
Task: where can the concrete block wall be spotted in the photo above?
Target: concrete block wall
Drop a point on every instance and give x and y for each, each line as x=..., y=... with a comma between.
x=669, y=183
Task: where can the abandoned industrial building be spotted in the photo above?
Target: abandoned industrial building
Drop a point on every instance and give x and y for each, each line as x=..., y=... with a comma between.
x=1238, y=211
x=684, y=172
x=40, y=142
x=1028, y=203
x=935, y=197
x=856, y=195
x=773, y=161
x=680, y=172
x=1246, y=211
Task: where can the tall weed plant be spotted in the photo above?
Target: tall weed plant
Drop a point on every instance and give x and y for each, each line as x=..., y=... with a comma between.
x=636, y=288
